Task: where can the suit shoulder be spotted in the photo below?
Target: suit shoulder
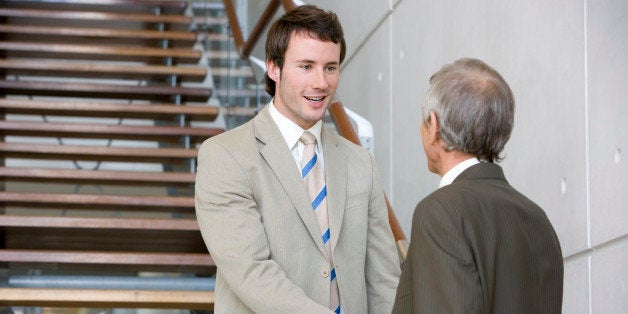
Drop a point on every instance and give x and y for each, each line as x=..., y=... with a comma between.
x=232, y=137
x=239, y=141
x=444, y=201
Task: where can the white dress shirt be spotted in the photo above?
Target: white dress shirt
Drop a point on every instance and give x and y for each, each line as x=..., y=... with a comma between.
x=292, y=132
x=454, y=172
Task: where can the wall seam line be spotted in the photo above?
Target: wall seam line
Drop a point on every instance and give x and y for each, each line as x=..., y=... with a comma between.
x=590, y=250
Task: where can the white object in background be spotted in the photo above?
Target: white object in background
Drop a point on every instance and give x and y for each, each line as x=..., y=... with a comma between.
x=258, y=62
x=365, y=130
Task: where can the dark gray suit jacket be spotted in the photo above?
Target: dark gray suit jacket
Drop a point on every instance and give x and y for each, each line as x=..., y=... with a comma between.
x=479, y=246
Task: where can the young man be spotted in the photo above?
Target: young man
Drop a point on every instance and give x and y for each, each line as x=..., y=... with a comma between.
x=477, y=245
x=294, y=215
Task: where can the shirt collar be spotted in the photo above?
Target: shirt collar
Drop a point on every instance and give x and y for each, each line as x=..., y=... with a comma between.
x=291, y=131
x=454, y=172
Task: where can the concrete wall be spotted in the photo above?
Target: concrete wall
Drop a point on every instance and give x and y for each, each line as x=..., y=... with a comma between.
x=567, y=64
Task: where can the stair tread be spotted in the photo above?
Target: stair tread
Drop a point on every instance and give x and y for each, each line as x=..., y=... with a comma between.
x=93, y=152
x=210, y=20
x=179, y=224
x=98, y=69
x=95, y=15
x=239, y=72
x=106, y=109
x=101, y=298
x=95, y=175
x=97, y=199
x=103, y=129
x=238, y=92
x=100, y=50
x=99, y=257
x=97, y=32
x=103, y=90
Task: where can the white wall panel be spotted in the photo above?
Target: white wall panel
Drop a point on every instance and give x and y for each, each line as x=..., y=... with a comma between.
x=567, y=64
x=546, y=156
x=413, y=62
x=609, y=279
x=537, y=47
x=358, y=19
x=365, y=88
x=608, y=118
x=576, y=286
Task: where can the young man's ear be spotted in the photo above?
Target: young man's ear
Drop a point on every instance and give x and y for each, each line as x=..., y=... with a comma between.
x=272, y=70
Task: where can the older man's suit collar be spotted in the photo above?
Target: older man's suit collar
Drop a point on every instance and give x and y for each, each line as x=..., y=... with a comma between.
x=483, y=170
x=274, y=150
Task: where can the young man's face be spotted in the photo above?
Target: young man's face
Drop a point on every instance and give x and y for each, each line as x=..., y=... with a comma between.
x=307, y=83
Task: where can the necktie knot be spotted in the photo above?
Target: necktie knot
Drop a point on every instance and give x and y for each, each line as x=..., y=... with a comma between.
x=307, y=138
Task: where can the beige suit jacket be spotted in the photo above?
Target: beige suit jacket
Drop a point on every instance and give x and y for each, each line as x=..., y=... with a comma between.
x=257, y=222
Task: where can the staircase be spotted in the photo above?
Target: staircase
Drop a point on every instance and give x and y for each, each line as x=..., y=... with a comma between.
x=239, y=91
x=102, y=106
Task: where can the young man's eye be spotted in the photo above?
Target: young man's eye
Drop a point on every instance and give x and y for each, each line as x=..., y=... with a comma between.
x=306, y=67
x=331, y=69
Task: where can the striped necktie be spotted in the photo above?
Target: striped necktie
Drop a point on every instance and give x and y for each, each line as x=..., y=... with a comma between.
x=312, y=174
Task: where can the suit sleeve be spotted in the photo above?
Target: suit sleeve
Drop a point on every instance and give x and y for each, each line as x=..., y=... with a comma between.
x=382, y=259
x=444, y=276
x=233, y=232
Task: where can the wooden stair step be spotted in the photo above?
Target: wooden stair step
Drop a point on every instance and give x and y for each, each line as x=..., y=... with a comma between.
x=178, y=224
x=208, y=5
x=98, y=298
x=103, y=90
x=213, y=37
x=56, y=50
x=97, y=32
x=222, y=55
x=223, y=92
x=210, y=20
x=96, y=153
x=84, y=130
x=107, y=109
x=110, y=258
x=232, y=72
x=154, y=203
x=101, y=234
x=99, y=70
x=95, y=176
x=95, y=15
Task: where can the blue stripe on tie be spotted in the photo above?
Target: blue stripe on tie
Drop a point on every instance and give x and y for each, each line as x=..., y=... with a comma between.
x=326, y=236
x=333, y=274
x=337, y=310
x=310, y=164
x=319, y=198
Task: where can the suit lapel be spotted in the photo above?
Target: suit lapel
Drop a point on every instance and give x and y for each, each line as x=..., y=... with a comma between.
x=336, y=181
x=276, y=153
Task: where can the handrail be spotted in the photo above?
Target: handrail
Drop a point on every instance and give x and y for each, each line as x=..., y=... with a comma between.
x=233, y=23
x=245, y=47
x=259, y=27
x=345, y=129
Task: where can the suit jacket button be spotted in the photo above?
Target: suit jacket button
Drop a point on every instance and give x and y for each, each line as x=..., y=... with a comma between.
x=325, y=273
